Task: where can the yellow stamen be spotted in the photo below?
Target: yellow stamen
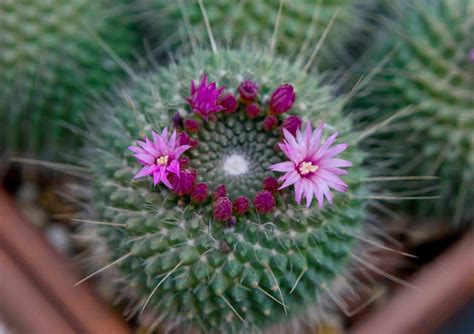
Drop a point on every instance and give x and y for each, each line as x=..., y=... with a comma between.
x=163, y=160
x=307, y=167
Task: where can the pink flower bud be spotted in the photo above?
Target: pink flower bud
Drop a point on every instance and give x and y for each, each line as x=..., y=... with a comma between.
x=183, y=184
x=291, y=124
x=200, y=193
x=183, y=162
x=229, y=102
x=282, y=99
x=184, y=139
x=241, y=205
x=222, y=209
x=191, y=125
x=252, y=110
x=248, y=90
x=264, y=202
x=270, y=123
x=270, y=184
x=220, y=192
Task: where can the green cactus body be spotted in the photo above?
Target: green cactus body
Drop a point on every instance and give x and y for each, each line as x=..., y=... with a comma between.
x=54, y=55
x=301, y=25
x=195, y=270
x=431, y=70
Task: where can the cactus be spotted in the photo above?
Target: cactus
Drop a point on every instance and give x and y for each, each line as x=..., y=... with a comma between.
x=429, y=69
x=302, y=23
x=222, y=247
x=54, y=55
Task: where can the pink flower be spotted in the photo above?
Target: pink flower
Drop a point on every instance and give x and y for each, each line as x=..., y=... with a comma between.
x=313, y=168
x=204, y=99
x=282, y=99
x=160, y=157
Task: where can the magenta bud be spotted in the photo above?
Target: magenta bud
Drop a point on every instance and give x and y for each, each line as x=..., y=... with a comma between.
x=183, y=184
x=222, y=209
x=270, y=123
x=291, y=124
x=191, y=125
x=177, y=121
x=248, y=90
x=270, y=184
x=252, y=110
x=282, y=99
x=229, y=102
x=264, y=202
x=200, y=193
x=241, y=205
x=220, y=191
x=183, y=139
x=183, y=162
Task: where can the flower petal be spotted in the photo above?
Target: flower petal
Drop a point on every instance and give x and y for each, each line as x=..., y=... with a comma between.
x=157, y=177
x=145, y=171
x=290, y=178
x=335, y=162
x=298, y=192
x=180, y=150
x=324, y=147
x=286, y=166
x=172, y=142
x=173, y=167
x=145, y=158
x=333, y=151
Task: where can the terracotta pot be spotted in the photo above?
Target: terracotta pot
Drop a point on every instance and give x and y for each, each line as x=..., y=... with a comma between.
x=442, y=288
x=36, y=284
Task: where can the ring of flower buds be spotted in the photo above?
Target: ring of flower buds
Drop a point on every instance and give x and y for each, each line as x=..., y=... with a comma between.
x=207, y=102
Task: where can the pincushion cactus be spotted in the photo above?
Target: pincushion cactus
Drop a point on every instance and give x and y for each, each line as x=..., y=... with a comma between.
x=201, y=206
x=428, y=70
x=53, y=55
x=302, y=23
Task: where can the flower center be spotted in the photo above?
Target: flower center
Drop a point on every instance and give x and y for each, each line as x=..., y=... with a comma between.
x=162, y=161
x=235, y=164
x=307, y=167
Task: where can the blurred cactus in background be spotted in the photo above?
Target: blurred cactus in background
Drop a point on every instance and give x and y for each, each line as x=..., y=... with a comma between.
x=213, y=243
x=297, y=29
x=54, y=55
x=427, y=66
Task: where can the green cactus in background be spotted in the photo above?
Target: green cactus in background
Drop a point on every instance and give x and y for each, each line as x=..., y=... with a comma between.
x=430, y=69
x=54, y=55
x=301, y=25
x=219, y=262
